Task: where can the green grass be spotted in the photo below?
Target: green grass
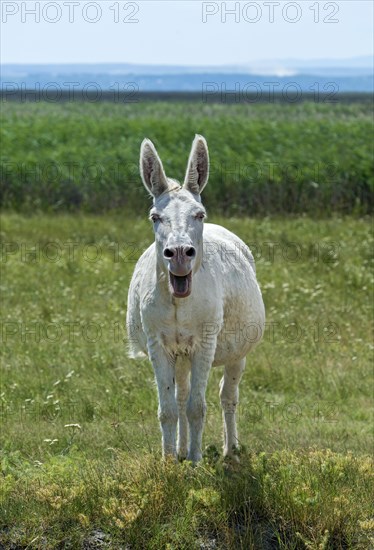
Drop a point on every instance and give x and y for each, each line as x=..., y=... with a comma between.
x=266, y=159
x=80, y=436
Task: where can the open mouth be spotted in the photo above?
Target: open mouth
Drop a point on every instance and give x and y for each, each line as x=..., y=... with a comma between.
x=181, y=286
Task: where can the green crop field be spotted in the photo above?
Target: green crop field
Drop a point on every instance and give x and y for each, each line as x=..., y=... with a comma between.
x=265, y=159
x=80, y=440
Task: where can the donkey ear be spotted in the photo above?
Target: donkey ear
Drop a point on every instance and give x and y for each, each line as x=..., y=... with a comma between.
x=198, y=166
x=151, y=169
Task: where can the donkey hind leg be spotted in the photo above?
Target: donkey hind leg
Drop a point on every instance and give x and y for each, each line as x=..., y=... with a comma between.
x=229, y=395
x=182, y=379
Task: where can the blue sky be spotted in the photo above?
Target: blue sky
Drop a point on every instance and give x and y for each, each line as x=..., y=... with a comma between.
x=173, y=32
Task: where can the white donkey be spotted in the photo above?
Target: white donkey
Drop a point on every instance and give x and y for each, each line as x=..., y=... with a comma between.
x=193, y=303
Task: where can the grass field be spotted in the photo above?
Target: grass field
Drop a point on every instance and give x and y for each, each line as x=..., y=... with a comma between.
x=81, y=462
x=80, y=455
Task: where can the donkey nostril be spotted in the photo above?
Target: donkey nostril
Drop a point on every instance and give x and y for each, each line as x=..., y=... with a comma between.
x=190, y=252
x=168, y=253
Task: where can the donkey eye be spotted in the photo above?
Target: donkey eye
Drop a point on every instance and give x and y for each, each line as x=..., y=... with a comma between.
x=155, y=218
x=200, y=216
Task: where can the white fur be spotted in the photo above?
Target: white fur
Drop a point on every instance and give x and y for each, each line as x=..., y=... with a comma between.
x=217, y=324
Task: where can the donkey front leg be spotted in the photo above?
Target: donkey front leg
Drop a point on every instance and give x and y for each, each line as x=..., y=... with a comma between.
x=164, y=368
x=182, y=378
x=196, y=406
x=229, y=394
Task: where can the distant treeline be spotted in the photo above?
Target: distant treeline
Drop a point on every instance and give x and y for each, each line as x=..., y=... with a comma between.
x=209, y=96
x=265, y=158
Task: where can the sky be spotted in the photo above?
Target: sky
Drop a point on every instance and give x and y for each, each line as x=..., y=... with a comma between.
x=183, y=32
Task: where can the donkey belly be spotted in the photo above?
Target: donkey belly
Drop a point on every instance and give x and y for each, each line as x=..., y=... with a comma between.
x=243, y=327
x=243, y=307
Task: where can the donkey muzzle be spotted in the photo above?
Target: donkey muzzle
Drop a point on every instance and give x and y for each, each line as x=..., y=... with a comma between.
x=180, y=269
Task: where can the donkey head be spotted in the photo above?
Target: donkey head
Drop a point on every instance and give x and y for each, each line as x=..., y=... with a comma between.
x=177, y=213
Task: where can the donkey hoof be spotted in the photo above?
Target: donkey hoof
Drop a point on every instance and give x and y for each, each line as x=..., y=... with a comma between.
x=194, y=457
x=233, y=455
